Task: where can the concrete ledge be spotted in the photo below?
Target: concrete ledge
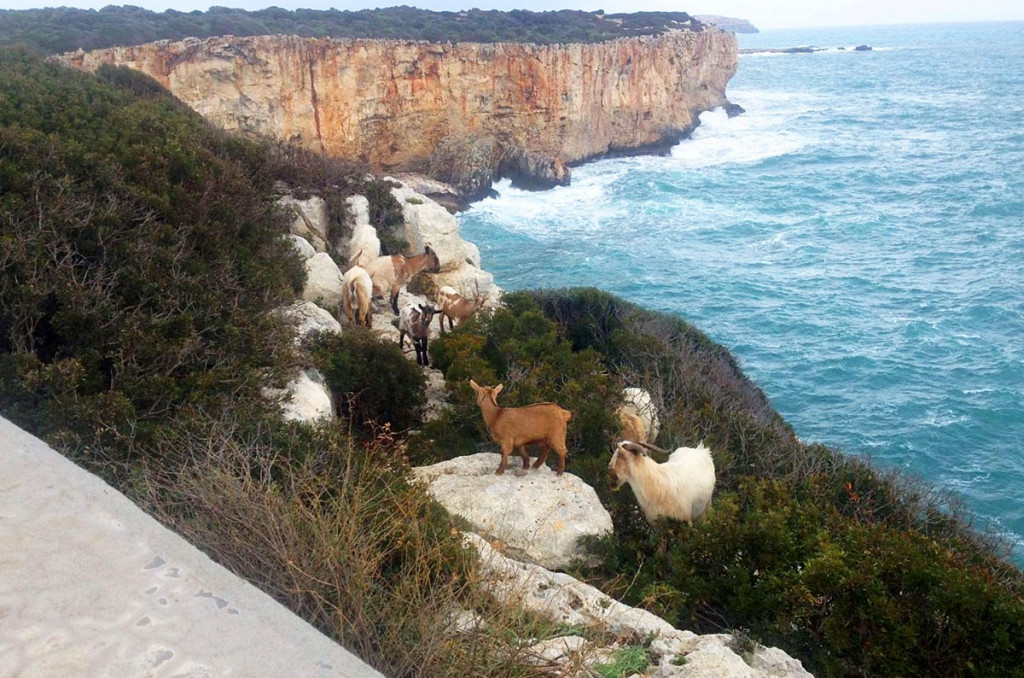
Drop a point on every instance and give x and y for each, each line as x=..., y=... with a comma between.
x=90, y=585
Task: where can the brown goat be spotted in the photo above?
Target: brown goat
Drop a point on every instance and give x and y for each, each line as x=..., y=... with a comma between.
x=390, y=272
x=516, y=427
x=454, y=306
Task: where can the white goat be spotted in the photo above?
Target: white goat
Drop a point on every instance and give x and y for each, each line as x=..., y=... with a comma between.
x=638, y=416
x=680, y=488
x=415, y=321
x=390, y=272
x=357, y=287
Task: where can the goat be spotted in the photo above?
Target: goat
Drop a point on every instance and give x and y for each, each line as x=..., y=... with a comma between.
x=680, y=488
x=516, y=427
x=355, y=294
x=638, y=416
x=415, y=321
x=456, y=307
x=390, y=272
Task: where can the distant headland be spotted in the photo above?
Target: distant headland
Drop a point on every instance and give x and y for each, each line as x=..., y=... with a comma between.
x=727, y=23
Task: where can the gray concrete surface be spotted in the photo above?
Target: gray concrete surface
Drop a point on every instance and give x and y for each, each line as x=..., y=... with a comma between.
x=92, y=587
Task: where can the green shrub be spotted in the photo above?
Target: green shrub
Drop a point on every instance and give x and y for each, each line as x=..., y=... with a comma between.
x=373, y=384
x=520, y=348
x=386, y=216
x=140, y=259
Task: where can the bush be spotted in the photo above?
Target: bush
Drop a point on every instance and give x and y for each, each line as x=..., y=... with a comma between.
x=140, y=259
x=519, y=347
x=371, y=381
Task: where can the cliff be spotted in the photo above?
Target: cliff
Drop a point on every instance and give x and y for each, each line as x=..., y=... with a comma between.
x=462, y=112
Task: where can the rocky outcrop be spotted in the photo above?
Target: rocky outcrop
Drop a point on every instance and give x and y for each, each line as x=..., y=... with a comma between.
x=537, y=516
x=462, y=112
x=673, y=653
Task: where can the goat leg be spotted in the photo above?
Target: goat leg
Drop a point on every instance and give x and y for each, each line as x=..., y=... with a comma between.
x=545, y=449
x=505, y=449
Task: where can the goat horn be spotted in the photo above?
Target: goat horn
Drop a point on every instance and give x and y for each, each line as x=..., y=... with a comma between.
x=652, y=447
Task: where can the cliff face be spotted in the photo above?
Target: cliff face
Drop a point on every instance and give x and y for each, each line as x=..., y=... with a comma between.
x=392, y=103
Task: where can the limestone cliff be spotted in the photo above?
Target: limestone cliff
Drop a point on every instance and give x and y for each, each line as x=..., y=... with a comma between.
x=518, y=109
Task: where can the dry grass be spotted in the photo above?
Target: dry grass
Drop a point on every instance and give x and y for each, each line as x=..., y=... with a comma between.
x=341, y=539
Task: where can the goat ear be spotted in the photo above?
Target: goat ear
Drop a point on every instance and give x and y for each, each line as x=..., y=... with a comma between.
x=476, y=386
x=497, y=389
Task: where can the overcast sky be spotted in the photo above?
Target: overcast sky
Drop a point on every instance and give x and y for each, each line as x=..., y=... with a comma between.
x=763, y=14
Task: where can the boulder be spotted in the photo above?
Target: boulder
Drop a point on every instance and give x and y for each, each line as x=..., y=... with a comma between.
x=536, y=515
x=534, y=171
x=732, y=110
x=306, y=398
x=363, y=245
x=309, y=219
x=427, y=223
x=306, y=318
x=443, y=194
x=300, y=244
x=323, y=281
x=638, y=401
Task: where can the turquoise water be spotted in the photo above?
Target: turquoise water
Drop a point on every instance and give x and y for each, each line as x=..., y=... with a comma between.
x=856, y=239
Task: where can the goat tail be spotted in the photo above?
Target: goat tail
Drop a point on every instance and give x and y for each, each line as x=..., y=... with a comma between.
x=566, y=415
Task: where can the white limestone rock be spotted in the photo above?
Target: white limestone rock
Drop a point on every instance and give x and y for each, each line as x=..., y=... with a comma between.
x=300, y=244
x=537, y=515
x=307, y=398
x=640, y=403
x=427, y=223
x=309, y=219
x=363, y=245
x=565, y=600
x=305, y=317
x=323, y=281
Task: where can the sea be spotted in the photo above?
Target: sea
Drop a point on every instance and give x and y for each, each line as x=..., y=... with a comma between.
x=855, y=239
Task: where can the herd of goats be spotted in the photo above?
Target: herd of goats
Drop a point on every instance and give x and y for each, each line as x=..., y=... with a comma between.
x=679, y=488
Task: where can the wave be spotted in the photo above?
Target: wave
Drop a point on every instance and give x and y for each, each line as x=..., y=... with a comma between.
x=744, y=140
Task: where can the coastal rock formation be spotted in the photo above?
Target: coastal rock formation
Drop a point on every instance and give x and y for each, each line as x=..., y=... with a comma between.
x=538, y=517
x=522, y=110
x=673, y=653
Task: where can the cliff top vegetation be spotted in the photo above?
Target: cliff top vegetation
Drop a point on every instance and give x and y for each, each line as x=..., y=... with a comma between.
x=63, y=29
x=140, y=257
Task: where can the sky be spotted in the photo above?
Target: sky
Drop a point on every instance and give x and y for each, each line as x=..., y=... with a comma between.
x=763, y=14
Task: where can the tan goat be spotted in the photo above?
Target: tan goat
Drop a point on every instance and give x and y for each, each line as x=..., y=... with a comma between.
x=516, y=427
x=355, y=295
x=454, y=306
x=679, y=488
x=392, y=271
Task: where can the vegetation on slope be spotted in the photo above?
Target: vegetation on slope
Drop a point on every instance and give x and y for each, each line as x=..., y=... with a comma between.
x=141, y=253
x=853, y=571
x=140, y=257
x=63, y=29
